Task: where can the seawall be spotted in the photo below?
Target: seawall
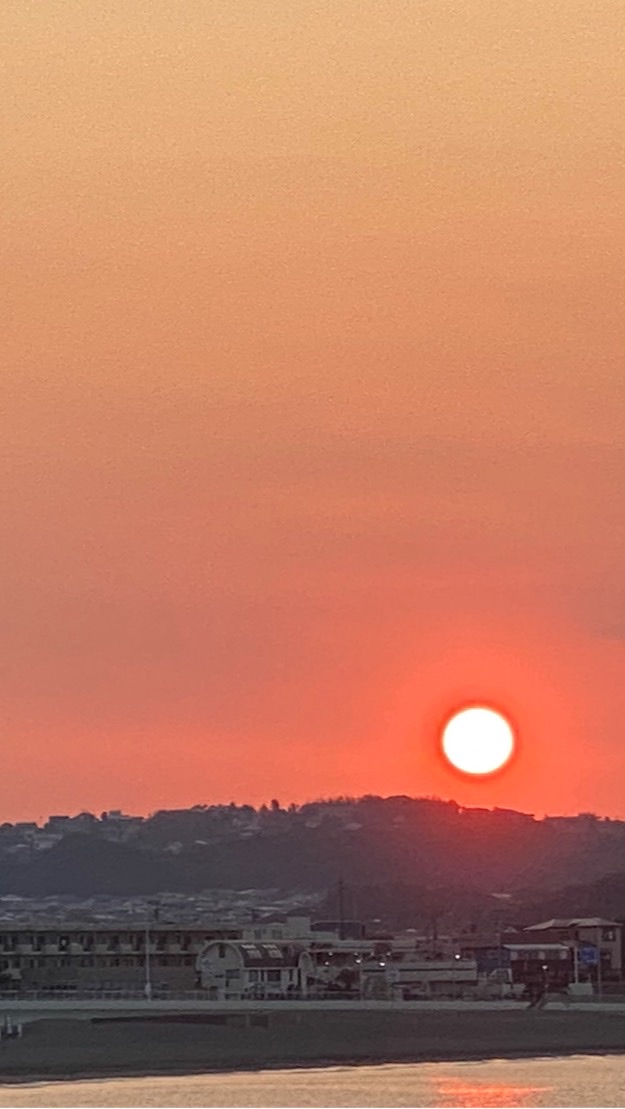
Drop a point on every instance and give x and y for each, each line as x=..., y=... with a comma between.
x=70, y=1047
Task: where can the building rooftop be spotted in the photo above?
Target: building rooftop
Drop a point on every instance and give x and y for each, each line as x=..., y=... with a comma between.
x=536, y=947
x=571, y=922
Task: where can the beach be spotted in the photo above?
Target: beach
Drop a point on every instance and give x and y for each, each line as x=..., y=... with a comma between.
x=56, y=1047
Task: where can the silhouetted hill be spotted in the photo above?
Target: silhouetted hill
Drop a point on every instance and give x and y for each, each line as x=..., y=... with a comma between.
x=605, y=898
x=408, y=844
x=78, y=866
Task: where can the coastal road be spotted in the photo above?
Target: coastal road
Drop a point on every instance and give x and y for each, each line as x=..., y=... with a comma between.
x=25, y=1011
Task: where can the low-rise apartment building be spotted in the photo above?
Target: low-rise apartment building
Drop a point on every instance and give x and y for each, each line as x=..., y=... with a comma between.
x=87, y=957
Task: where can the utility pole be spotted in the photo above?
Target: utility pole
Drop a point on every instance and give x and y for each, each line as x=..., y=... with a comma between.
x=148, y=980
x=148, y=969
x=434, y=933
x=599, y=980
x=575, y=964
x=341, y=909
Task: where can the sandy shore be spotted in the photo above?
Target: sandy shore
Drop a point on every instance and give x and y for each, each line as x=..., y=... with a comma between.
x=68, y=1048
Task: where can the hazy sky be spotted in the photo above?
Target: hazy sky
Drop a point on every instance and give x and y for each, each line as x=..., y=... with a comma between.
x=313, y=397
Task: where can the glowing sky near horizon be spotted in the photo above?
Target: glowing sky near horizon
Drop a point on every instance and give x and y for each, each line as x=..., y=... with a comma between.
x=313, y=399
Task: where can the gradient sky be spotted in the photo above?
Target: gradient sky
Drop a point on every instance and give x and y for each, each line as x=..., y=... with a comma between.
x=313, y=397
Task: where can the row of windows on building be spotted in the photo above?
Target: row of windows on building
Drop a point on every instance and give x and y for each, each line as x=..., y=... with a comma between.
x=21, y=963
x=111, y=942
x=261, y=975
x=270, y=975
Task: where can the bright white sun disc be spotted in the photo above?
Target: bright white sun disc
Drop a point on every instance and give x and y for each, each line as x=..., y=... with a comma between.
x=478, y=740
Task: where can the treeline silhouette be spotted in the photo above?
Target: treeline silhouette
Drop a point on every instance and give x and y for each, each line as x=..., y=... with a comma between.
x=397, y=851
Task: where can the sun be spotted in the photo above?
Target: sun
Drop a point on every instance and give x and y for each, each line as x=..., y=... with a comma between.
x=478, y=740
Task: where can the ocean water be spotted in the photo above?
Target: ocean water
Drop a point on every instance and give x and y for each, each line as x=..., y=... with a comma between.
x=570, y=1082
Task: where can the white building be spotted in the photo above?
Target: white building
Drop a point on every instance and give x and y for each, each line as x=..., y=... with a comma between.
x=414, y=976
x=232, y=970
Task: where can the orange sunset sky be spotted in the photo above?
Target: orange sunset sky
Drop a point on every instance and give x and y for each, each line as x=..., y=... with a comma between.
x=313, y=399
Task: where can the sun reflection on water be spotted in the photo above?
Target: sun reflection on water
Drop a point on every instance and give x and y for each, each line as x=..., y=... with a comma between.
x=456, y=1093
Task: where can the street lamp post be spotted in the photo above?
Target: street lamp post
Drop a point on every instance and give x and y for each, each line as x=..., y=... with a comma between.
x=599, y=980
x=360, y=979
x=147, y=989
x=575, y=964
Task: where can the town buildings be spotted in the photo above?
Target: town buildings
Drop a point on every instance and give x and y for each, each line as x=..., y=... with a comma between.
x=595, y=941
x=294, y=957
x=558, y=951
x=290, y=958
